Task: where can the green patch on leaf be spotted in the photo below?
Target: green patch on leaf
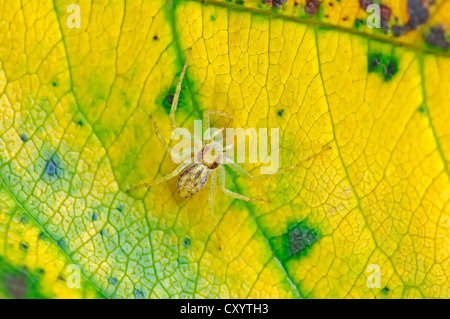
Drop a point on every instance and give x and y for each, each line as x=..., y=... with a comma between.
x=385, y=65
x=295, y=242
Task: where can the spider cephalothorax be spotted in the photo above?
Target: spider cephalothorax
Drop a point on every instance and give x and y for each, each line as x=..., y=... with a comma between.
x=211, y=155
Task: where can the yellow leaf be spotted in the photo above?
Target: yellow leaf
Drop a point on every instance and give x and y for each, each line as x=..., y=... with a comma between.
x=75, y=135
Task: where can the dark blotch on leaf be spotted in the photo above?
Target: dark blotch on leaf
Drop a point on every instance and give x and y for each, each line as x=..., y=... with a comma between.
x=16, y=285
x=53, y=167
x=61, y=243
x=275, y=3
x=19, y=282
x=24, y=246
x=312, y=6
x=390, y=70
x=385, y=290
x=50, y=169
x=436, y=38
x=418, y=14
x=278, y=3
x=94, y=216
x=187, y=242
x=421, y=109
x=300, y=238
x=155, y=37
x=280, y=112
x=113, y=281
x=23, y=137
x=359, y=23
x=374, y=62
x=385, y=12
x=138, y=294
x=168, y=101
x=385, y=65
x=398, y=30
x=295, y=242
x=364, y=4
x=166, y=97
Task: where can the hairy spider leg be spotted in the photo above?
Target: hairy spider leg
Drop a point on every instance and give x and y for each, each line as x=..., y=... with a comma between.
x=226, y=191
x=206, y=122
x=164, y=143
x=173, y=108
x=175, y=172
x=242, y=172
x=160, y=137
x=212, y=189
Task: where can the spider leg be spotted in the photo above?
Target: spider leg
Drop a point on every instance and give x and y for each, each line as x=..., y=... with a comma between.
x=187, y=154
x=175, y=172
x=228, y=147
x=213, y=135
x=233, y=194
x=158, y=134
x=206, y=122
x=211, y=205
x=173, y=108
x=242, y=172
x=301, y=163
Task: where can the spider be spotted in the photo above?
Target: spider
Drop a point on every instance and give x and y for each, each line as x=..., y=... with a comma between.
x=211, y=160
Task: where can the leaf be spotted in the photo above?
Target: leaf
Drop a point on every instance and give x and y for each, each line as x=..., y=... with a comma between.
x=75, y=134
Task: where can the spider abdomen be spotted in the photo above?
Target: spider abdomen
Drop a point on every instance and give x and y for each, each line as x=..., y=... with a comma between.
x=192, y=180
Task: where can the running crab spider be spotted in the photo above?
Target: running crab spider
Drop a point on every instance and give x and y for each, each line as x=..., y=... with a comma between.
x=211, y=160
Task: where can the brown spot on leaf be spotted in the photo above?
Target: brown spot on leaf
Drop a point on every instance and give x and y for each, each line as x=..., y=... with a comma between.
x=278, y=3
x=16, y=285
x=418, y=14
x=274, y=3
x=385, y=15
x=436, y=38
x=364, y=4
x=398, y=30
x=312, y=6
x=385, y=12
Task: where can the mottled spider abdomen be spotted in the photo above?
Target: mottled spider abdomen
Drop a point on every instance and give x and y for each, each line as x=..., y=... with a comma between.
x=192, y=180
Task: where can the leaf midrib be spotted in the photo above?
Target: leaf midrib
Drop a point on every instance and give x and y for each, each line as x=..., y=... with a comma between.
x=315, y=22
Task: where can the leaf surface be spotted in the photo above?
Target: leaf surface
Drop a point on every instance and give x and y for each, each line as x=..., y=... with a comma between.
x=75, y=135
